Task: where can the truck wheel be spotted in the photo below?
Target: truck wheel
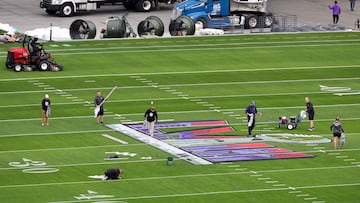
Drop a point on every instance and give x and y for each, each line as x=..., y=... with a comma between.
x=50, y=12
x=204, y=22
x=268, y=21
x=67, y=10
x=44, y=65
x=17, y=67
x=129, y=5
x=251, y=22
x=143, y=5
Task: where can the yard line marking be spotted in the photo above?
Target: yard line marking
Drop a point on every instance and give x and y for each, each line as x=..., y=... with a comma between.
x=55, y=133
x=264, y=178
x=349, y=159
x=66, y=148
x=302, y=195
x=355, y=162
x=157, y=177
x=176, y=46
x=279, y=185
x=293, y=192
x=259, y=82
x=310, y=198
x=187, y=72
x=233, y=166
x=93, y=164
x=341, y=157
x=210, y=193
x=272, y=181
x=115, y=139
x=335, y=153
x=202, y=49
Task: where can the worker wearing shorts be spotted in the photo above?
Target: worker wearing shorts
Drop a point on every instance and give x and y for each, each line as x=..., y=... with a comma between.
x=337, y=129
x=97, y=101
x=311, y=113
x=45, y=110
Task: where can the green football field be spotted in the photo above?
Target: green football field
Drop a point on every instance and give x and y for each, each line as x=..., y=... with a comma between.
x=188, y=79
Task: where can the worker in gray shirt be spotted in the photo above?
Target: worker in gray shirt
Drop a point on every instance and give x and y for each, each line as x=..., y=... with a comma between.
x=337, y=129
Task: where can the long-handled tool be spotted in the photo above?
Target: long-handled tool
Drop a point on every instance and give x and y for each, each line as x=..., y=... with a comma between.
x=97, y=108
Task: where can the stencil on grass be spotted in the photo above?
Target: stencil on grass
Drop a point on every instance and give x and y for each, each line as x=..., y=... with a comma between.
x=92, y=195
x=31, y=166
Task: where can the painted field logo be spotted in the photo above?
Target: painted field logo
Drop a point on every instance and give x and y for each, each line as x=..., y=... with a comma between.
x=294, y=138
x=30, y=166
x=209, y=141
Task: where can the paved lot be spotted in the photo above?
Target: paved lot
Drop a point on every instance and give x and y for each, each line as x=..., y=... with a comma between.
x=27, y=15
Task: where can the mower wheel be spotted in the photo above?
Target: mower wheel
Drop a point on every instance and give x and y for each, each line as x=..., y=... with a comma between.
x=67, y=10
x=290, y=126
x=44, y=65
x=7, y=65
x=17, y=67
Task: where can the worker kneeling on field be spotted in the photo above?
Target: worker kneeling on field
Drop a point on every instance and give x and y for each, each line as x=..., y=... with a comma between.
x=113, y=173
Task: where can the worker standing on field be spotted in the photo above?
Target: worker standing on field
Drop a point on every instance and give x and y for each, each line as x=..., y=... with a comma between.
x=337, y=129
x=45, y=110
x=150, y=118
x=251, y=111
x=311, y=113
x=97, y=101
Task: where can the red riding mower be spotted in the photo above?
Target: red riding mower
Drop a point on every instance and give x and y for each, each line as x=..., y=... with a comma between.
x=32, y=58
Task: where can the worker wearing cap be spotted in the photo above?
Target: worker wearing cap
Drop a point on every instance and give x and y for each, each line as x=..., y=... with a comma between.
x=45, y=110
x=151, y=118
x=251, y=111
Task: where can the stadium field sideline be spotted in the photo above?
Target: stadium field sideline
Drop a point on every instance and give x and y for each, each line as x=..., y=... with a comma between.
x=188, y=79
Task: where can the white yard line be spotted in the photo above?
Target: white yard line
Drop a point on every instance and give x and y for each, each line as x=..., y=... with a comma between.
x=203, y=49
x=166, y=177
x=214, y=193
x=69, y=148
x=55, y=133
x=205, y=44
x=186, y=72
x=115, y=139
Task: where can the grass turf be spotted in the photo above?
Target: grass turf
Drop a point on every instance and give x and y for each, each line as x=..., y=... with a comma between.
x=277, y=71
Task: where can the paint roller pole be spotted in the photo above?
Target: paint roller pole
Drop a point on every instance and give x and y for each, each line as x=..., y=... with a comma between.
x=50, y=33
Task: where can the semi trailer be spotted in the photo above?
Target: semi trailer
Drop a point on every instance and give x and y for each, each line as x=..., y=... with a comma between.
x=69, y=7
x=224, y=14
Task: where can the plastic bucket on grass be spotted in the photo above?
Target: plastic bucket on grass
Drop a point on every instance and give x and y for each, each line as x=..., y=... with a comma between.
x=170, y=161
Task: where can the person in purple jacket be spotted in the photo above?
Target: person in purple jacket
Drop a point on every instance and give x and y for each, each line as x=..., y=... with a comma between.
x=336, y=10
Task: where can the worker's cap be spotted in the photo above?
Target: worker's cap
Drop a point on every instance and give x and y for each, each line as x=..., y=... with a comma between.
x=46, y=96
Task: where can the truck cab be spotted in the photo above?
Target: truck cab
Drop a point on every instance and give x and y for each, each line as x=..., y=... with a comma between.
x=222, y=14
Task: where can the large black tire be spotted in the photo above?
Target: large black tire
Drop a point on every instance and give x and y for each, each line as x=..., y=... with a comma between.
x=251, y=21
x=144, y=5
x=67, y=10
x=269, y=20
x=17, y=67
x=50, y=12
x=44, y=65
x=7, y=65
x=204, y=22
x=130, y=5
